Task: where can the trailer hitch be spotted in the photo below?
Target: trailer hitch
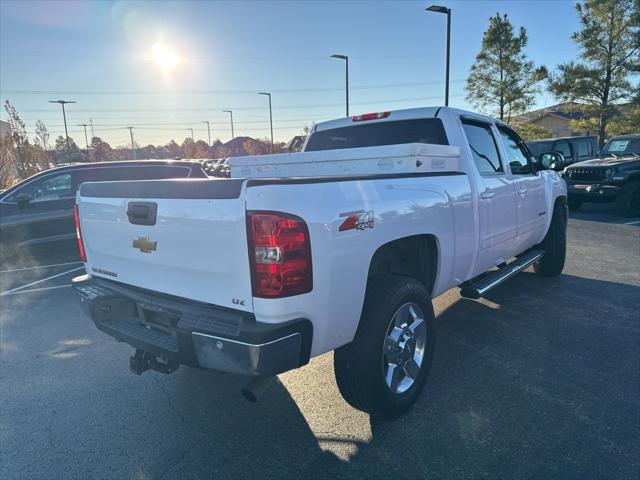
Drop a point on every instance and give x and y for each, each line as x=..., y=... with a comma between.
x=142, y=361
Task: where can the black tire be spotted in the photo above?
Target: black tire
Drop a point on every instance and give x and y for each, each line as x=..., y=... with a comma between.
x=360, y=366
x=574, y=205
x=628, y=201
x=554, y=245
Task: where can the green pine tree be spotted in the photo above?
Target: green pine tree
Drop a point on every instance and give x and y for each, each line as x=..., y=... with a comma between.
x=609, y=39
x=503, y=81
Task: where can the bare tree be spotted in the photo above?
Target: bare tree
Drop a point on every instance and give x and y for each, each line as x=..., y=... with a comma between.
x=24, y=154
x=42, y=137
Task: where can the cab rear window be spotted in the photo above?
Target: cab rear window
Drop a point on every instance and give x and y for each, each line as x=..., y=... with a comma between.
x=425, y=130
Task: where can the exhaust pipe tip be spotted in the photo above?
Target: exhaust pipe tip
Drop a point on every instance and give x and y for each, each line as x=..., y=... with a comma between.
x=256, y=387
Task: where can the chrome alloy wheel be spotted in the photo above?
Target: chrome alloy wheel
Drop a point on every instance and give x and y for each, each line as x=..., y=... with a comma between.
x=404, y=348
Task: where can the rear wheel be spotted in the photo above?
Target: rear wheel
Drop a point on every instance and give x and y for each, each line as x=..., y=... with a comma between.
x=628, y=201
x=554, y=245
x=384, y=369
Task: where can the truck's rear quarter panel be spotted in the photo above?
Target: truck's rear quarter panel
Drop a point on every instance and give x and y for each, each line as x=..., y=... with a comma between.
x=404, y=206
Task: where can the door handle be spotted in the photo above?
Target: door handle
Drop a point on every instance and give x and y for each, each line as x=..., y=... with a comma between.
x=522, y=191
x=487, y=195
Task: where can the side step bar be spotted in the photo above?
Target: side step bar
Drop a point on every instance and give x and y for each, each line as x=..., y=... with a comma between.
x=475, y=288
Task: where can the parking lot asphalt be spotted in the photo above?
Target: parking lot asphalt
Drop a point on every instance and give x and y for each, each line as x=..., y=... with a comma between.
x=541, y=379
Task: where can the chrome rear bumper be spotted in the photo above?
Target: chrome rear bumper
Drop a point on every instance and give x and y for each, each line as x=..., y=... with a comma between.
x=187, y=332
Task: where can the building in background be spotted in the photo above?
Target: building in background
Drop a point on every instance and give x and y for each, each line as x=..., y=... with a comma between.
x=561, y=120
x=557, y=119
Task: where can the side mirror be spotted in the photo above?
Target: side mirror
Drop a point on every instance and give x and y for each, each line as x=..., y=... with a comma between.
x=23, y=199
x=552, y=161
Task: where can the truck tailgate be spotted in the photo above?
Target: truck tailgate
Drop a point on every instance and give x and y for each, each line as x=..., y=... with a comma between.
x=182, y=237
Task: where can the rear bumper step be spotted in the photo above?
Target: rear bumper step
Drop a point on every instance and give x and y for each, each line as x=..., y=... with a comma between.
x=476, y=288
x=182, y=331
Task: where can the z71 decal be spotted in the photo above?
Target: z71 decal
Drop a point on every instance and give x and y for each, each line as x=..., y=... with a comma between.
x=356, y=220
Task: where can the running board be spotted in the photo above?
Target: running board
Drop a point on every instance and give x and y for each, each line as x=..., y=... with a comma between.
x=476, y=288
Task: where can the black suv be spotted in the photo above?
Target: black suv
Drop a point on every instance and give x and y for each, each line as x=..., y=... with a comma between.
x=39, y=210
x=573, y=149
x=615, y=176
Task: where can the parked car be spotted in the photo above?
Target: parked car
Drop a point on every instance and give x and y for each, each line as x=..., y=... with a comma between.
x=573, y=149
x=39, y=210
x=622, y=146
x=219, y=169
x=614, y=177
x=209, y=166
x=341, y=246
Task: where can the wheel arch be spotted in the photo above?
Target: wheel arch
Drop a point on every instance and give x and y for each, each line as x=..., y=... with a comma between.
x=559, y=201
x=415, y=256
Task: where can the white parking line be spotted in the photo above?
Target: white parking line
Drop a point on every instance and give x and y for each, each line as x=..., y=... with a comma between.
x=633, y=222
x=40, y=281
x=35, y=290
x=39, y=266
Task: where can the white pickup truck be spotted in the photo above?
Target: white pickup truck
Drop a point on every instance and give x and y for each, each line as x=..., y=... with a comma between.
x=340, y=247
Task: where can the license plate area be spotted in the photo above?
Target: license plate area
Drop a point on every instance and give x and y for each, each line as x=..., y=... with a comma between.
x=158, y=319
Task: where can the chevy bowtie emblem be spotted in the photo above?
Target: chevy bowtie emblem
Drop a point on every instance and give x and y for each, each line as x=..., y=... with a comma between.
x=144, y=244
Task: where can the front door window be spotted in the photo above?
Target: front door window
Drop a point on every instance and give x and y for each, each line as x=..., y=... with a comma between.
x=46, y=188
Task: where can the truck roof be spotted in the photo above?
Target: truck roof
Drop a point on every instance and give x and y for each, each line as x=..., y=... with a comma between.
x=404, y=114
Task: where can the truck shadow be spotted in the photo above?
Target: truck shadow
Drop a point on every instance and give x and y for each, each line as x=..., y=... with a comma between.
x=600, y=212
x=517, y=378
x=226, y=436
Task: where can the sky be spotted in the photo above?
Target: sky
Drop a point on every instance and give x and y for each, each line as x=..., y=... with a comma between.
x=101, y=55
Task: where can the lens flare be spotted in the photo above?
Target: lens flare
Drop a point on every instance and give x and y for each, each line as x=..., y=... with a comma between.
x=166, y=58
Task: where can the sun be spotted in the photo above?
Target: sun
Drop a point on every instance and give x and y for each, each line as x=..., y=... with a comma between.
x=166, y=58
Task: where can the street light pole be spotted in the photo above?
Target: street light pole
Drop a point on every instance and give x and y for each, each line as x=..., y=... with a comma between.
x=191, y=130
x=441, y=9
x=133, y=148
x=86, y=140
x=208, y=131
x=346, y=65
x=270, y=119
x=233, y=136
x=64, y=117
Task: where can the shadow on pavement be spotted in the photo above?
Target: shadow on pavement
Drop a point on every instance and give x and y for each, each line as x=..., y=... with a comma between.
x=538, y=380
x=524, y=384
x=600, y=212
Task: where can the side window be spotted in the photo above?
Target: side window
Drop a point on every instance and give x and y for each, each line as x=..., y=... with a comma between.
x=49, y=187
x=565, y=149
x=517, y=154
x=483, y=148
x=584, y=149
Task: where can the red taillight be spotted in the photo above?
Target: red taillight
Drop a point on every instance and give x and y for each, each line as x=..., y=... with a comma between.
x=76, y=219
x=370, y=116
x=280, y=254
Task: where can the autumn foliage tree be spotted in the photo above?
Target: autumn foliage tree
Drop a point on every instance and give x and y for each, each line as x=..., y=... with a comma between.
x=20, y=158
x=502, y=81
x=42, y=137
